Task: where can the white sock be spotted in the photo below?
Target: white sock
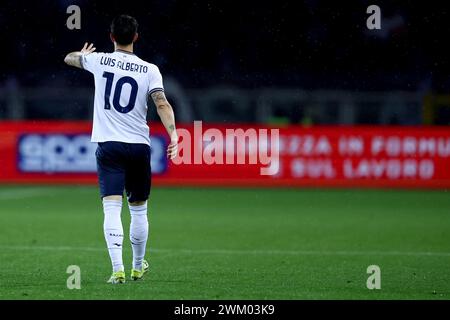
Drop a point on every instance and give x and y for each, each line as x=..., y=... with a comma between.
x=138, y=233
x=113, y=231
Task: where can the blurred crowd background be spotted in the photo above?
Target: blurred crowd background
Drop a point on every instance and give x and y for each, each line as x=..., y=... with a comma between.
x=284, y=62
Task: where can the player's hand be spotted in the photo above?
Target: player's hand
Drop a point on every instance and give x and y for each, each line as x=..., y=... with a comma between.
x=172, y=149
x=88, y=48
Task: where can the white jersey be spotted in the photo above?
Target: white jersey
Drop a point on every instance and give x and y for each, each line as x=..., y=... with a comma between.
x=122, y=83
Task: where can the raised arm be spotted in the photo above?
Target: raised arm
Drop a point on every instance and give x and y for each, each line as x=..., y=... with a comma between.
x=167, y=117
x=73, y=58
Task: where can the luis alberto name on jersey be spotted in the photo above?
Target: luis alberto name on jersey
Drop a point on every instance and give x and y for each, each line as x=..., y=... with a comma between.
x=123, y=82
x=128, y=66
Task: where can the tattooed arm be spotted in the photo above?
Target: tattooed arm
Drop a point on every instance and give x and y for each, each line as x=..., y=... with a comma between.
x=167, y=117
x=73, y=58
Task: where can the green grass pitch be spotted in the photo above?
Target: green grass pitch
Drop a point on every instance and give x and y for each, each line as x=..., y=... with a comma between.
x=231, y=244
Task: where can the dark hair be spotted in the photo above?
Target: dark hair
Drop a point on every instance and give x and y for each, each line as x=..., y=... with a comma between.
x=123, y=29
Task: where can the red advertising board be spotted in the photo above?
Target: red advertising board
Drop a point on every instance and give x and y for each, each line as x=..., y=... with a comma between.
x=61, y=152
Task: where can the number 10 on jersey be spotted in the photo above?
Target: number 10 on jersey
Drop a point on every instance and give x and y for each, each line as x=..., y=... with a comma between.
x=118, y=92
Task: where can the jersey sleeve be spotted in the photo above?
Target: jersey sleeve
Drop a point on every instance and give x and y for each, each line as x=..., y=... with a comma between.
x=156, y=81
x=89, y=62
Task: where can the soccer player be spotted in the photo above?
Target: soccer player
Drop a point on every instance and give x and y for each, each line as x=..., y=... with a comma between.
x=124, y=84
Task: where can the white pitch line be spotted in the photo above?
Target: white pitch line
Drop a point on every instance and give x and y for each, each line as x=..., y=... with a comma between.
x=14, y=194
x=242, y=252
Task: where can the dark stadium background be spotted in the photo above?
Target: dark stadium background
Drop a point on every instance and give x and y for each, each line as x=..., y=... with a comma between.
x=308, y=62
x=247, y=44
